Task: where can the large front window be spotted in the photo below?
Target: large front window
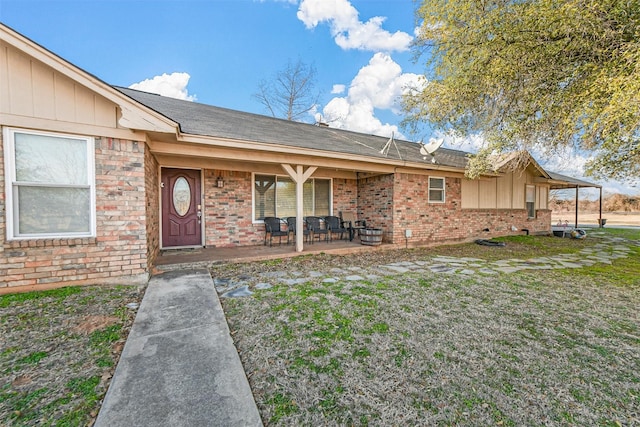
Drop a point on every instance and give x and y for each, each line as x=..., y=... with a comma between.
x=49, y=185
x=276, y=196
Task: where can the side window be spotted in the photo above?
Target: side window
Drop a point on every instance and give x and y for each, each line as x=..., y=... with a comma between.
x=50, y=185
x=531, y=201
x=436, y=190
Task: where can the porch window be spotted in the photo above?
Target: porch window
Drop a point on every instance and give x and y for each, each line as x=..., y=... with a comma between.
x=276, y=196
x=50, y=185
x=531, y=201
x=436, y=190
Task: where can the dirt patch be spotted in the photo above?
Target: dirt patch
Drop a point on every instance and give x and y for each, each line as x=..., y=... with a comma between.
x=21, y=380
x=91, y=323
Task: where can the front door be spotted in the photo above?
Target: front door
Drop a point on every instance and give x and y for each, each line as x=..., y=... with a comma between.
x=181, y=208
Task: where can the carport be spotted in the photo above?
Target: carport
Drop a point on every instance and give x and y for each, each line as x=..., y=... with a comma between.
x=563, y=182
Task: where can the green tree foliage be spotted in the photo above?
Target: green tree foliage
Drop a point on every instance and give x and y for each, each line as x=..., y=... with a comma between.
x=526, y=72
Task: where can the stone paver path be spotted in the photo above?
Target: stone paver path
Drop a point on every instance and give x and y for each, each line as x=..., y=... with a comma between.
x=604, y=252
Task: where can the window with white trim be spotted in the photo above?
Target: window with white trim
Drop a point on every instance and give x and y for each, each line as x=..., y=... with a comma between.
x=50, y=185
x=531, y=201
x=276, y=196
x=436, y=190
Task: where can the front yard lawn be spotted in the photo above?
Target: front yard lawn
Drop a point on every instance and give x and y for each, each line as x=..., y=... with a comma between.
x=543, y=347
x=58, y=350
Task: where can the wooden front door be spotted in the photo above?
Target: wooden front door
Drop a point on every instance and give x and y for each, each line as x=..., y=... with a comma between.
x=181, y=208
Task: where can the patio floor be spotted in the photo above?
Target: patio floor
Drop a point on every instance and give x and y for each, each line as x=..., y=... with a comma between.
x=171, y=259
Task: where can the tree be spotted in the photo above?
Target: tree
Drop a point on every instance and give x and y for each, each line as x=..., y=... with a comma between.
x=526, y=73
x=290, y=95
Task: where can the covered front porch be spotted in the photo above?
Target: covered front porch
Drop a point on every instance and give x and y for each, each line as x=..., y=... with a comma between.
x=172, y=259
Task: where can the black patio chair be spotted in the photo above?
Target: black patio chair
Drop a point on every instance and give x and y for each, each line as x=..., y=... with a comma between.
x=354, y=225
x=273, y=228
x=316, y=226
x=291, y=225
x=335, y=226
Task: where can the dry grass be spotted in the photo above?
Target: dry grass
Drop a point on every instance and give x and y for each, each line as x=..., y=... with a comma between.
x=561, y=348
x=58, y=350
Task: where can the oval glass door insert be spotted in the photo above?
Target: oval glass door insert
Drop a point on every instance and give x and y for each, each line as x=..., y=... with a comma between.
x=181, y=196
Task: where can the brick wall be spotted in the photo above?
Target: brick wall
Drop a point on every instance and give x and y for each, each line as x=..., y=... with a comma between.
x=375, y=203
x=228, y=210
x=434, y=222
x=394, y=203
x=345, y=196
x=152, y=204
x=118, y=253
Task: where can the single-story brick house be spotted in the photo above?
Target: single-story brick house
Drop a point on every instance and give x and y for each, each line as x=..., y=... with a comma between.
x=96, y=180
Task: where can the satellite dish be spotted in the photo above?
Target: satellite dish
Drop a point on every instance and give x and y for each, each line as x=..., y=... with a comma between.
x=430, y=148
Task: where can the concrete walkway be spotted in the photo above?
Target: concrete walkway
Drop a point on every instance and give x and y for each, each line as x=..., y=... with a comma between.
x=179, y=366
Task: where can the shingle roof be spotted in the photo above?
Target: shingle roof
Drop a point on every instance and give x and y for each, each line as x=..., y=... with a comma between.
x=206, y=120
x=569, y=182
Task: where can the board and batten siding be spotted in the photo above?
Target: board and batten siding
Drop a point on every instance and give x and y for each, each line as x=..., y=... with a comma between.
x=29, y=88
x=503, y=192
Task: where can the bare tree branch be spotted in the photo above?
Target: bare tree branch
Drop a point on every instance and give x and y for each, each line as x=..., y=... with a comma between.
x=290, y=93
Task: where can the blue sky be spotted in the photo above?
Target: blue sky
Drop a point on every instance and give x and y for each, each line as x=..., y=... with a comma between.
x=217, y=51
x=225, y=46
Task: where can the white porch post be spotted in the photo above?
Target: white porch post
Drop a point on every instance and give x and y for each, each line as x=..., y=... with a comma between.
x=577, y=200
x=299, y=176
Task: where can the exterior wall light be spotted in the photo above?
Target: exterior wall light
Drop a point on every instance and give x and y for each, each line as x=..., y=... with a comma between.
x=220, y=182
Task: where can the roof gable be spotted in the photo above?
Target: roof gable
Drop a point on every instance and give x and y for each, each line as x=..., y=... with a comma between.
x=132, y=114
x=519, y=160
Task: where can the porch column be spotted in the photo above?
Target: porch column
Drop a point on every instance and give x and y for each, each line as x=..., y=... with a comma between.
x=577, y=189
x=299, y=176
x=600, y=214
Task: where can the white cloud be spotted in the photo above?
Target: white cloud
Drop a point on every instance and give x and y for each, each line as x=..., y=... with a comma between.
x=378, y=85
x=564, y=160
x=571, y=162
x=469, y=144
x=347, y=29
x=173, y=85
x=338, y=89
